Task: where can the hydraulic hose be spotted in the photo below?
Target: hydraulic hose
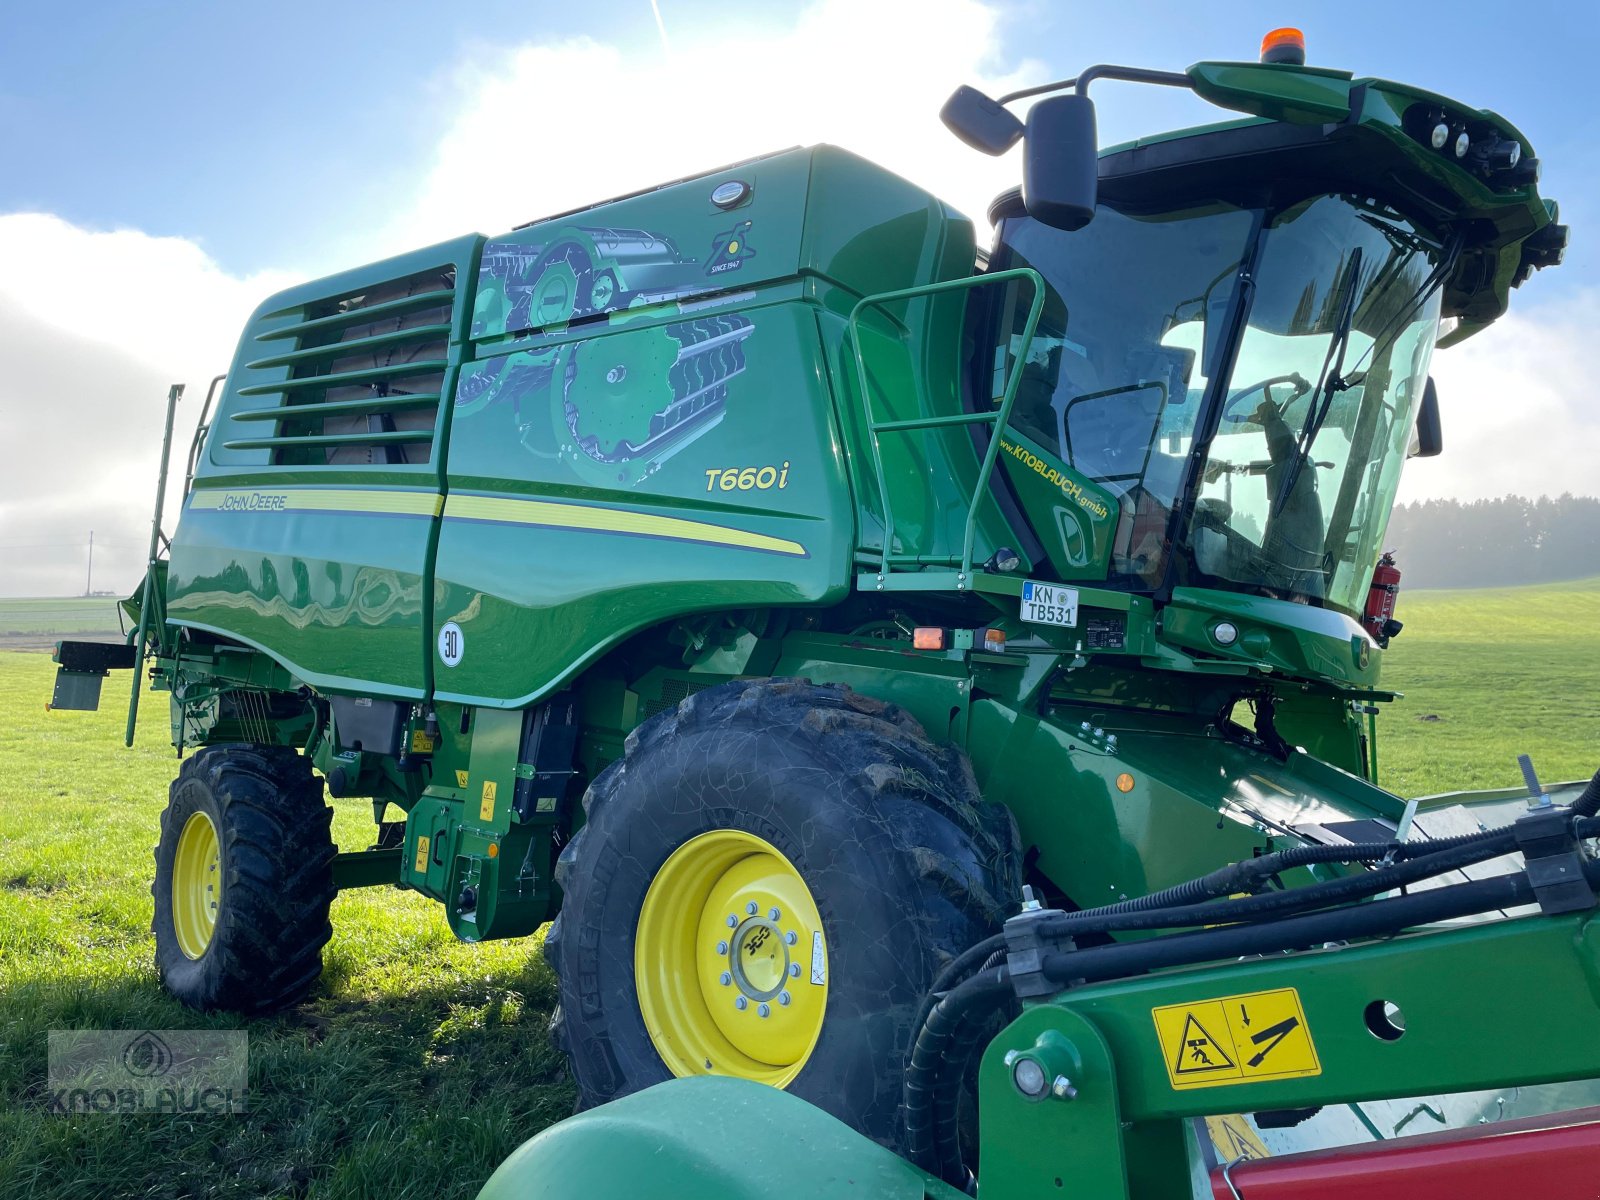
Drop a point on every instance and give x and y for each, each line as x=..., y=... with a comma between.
x=1378, y=919
x=1249, y=874
x=971, y=1001
x=970, y=959
x=1465, y=852
x=1425, y=860
x=1588, y=804
x=966, y=1044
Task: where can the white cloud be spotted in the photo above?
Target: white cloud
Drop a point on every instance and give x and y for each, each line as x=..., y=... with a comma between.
x=1510, y=401
x=160, y=300
x=93, y=326
x=546, y=127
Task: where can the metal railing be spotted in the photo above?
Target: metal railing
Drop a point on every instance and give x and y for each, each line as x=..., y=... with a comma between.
x=997, y=417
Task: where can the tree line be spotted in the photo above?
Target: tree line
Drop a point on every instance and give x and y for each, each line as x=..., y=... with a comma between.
x=1508, y=540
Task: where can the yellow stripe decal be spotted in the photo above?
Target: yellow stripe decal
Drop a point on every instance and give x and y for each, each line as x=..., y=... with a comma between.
x=297, y=499
x=612, y=520
x=545, y=513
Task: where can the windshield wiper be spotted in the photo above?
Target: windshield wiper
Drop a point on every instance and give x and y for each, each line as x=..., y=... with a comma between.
x=1329, y=383
x=1402, y=318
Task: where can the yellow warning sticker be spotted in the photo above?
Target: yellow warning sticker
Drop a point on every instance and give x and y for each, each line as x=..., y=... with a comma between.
x=421, y=743
x=422, y=856
x=1237, y=1039
x=461, y=779
x=486, y=809
x=1235, y=1139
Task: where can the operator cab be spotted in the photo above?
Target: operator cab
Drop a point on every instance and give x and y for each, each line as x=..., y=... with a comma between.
x=1233, y=350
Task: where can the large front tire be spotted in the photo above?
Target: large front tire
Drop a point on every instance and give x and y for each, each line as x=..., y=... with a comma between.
x=243, y=880
x=767, y=885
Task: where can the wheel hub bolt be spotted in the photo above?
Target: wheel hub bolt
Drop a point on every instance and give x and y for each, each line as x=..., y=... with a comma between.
x=725, y=979
x=722, y=947
x=732, y=921
x=752, y=908
x=783, y=999
x=741, y=1003
x=794, y=970
x=764, y=1011
x=790, y=938
x=774, y=915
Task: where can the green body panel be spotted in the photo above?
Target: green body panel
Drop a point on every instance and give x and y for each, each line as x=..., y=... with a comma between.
x=707, y=1137
x=536, y=599
x=1273, y=635
x=300, y=588
x=1074, y=517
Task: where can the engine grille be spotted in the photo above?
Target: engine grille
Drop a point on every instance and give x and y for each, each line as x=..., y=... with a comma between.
x=364, y=380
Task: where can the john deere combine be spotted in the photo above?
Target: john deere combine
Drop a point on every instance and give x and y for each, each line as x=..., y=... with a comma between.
x=765, y=584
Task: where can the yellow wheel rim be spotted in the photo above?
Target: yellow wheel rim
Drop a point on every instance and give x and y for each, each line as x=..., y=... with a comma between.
x=196, y=884
x=730, y=962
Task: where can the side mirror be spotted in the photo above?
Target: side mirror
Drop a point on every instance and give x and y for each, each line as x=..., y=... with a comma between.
x=1430, y=438
x=1061, y=162
x=980, y=122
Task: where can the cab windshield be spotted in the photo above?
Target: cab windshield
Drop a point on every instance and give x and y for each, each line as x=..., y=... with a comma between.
x=1289, y=462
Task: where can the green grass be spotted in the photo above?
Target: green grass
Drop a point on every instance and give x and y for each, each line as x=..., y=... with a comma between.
x=1505, y=671
x=420, y=1065
x=423, y=1062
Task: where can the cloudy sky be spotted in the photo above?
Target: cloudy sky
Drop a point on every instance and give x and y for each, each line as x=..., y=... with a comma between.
x=167, y=165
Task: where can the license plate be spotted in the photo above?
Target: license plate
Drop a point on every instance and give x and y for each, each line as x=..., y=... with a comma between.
x=1049, y=603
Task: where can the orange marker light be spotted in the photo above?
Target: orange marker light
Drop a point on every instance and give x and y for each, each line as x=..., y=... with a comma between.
x=1124, y=782
x=1285, y=45
x=994, y=641
x=494, y=850
x=925, y=637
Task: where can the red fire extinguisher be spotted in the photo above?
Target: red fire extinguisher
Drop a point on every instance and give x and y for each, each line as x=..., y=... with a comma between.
x=1379, y=617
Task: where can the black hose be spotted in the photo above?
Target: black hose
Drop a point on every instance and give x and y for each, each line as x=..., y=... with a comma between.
x=1588, y=804
x=1380, y=918
x=1249, y=874
x=960, y=967
x=1279, y=904
x=930, y=1057
x=966, y=1044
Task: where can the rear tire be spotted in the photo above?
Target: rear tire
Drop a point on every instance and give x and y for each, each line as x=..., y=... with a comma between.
x=886, y=833
x=241, y=920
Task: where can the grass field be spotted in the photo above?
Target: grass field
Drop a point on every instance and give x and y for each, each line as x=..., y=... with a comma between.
x=34, y=624
x=1505, y=671
x=422, y=1062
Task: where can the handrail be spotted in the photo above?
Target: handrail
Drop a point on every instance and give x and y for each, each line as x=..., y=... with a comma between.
x=999, y=417
x=147, y=592
x=201, y=428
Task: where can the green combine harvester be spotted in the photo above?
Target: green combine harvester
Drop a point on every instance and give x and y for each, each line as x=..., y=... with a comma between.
x=936, y=683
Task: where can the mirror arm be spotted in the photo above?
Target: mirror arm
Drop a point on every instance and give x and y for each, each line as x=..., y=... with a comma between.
x=1132, y=75
x=1104, y=71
